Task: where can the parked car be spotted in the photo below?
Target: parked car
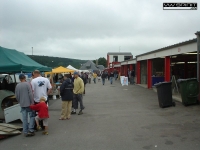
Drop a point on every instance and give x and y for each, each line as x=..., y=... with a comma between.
x=7, y=77
x=6, y=82
x=7, y=89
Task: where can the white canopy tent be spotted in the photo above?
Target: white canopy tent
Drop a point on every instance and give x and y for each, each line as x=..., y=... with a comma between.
x=72, y=68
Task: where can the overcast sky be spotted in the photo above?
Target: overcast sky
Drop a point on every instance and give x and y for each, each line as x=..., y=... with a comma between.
x=88, y=29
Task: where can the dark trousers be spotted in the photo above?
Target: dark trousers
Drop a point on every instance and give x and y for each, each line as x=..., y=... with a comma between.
x=132, y=80
x=78, y=98
x=84, y=89
x=89, y=80
x=103, y=81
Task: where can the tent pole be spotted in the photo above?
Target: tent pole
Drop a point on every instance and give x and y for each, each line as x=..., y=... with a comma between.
x=15, y=80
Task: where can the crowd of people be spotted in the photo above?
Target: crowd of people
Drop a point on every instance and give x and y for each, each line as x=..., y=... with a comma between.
x=33, y=97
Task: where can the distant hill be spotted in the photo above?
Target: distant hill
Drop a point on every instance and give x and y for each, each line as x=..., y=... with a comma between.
x=57, y=61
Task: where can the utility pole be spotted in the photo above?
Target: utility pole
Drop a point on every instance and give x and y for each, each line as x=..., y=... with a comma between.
x=198, y=53
x=96, y=62
x=32, y=50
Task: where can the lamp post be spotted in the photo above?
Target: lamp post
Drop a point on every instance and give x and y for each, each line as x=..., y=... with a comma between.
x=32, y=50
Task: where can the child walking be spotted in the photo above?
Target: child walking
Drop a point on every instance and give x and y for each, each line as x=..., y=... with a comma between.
x=43, y=114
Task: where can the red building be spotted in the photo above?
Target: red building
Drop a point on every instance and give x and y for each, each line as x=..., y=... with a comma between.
x=115, y=58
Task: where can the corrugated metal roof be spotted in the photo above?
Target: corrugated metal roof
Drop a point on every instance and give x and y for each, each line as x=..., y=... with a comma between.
x=171, y=46
x=100, y=67
x=120, y=53
x=89, y=65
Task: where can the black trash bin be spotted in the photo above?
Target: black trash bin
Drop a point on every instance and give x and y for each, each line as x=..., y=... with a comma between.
x=164, y=91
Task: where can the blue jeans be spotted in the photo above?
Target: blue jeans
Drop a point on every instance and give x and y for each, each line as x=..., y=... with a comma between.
x=28, y=126
x=111, y=80
x=94, y=80
x=115, y=76
x=103, y=81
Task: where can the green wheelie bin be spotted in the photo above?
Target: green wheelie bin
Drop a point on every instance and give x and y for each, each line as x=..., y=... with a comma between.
x=189, y=91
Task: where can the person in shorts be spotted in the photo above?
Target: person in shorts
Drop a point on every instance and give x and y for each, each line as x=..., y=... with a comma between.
x=43, y=114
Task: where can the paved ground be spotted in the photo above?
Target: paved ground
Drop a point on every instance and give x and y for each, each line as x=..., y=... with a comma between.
x=117, y=118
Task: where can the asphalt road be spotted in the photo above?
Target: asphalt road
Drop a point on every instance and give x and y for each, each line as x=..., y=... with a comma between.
x=117, y=118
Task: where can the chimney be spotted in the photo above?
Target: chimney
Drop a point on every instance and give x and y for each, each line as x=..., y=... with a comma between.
x=96, y=62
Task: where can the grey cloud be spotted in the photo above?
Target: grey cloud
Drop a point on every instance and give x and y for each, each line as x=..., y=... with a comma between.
x=89, y=29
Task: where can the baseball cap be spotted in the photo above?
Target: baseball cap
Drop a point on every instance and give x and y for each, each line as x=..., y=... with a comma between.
x=22, y=76
x=76, y=73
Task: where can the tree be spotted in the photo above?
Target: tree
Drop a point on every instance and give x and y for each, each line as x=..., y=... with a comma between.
x=101, y=61
x=57, y=61
x=61, y=64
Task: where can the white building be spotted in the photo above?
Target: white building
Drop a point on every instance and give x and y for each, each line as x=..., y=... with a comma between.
x=116, y=57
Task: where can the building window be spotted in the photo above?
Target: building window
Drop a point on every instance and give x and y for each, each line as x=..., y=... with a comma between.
x=127, y=57
x=115, y=58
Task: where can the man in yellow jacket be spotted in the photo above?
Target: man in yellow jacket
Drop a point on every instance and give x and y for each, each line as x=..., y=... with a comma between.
x=78, y=93
x=94, y=77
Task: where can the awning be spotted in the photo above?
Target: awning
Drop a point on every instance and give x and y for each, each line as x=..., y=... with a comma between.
x=60, y=70
x=12, y=61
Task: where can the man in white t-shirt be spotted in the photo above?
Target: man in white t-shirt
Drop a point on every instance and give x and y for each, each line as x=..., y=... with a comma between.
x=40, y=86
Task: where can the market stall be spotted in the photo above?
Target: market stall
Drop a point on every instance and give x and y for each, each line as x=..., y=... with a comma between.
x=55, y=84
x=12, y=62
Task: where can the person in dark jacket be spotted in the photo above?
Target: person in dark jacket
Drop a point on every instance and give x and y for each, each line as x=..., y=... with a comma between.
x=103, y=76
x=111, y=77
x=115, y=74
x=66, y=92
x=70, y=75
x=132, y=77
